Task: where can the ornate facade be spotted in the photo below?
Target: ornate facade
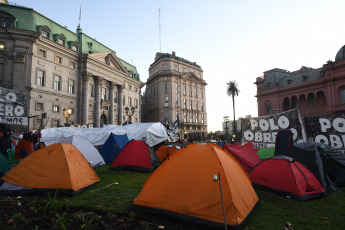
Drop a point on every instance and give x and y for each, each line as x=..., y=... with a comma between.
x=318, y=91
x=176, y=86
x=58, y=69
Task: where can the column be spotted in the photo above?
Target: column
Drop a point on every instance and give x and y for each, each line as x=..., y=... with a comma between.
x=85, y=99
x=111, y=98
x=19, y=71
x=119, y=110
x=96, y=112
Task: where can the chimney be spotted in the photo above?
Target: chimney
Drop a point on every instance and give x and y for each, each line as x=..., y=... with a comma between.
x=173, y=53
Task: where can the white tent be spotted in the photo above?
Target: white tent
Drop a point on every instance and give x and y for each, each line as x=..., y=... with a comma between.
x=86, y=148
x=151, y=133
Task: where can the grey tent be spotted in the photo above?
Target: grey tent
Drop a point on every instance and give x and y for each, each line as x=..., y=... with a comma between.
x=323, y=161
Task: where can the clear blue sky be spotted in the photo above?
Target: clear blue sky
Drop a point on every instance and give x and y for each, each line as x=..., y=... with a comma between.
x=230, y=40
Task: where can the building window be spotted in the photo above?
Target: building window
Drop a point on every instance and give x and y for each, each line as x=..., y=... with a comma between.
x=130, y=87
x=184, y=117
x=56, y=108
x=176, y=103
x=342, y=95
x=90, y=90
x=72, y=65
x=75, y=48
x=8, y=24
x=268, y=108
x=184, y=90
x=39, y=106
x=196, y=105
x=310, y=102
x=45, y=34
x=202, y=94
x=196, y=92
x=104, y=94
x=71, y=86
x=190, y=91
x=124, y=100
x=184, y=103
x=166, y=87
x=42, y=53
x=166, y=102
x=190, y=117
x=58, y=59
x=190, y=104
x=136, y=103
x=115, y=97
x=202, y=118
x=294, y=104
x=57, y=83
x=202, y=106
x=130, y=102
x=136, y=89
x=40, y=77
x=176, y=87
x=196, y=118
x=61, y=41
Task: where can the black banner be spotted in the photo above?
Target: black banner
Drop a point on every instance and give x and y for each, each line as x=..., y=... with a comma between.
x=13, y=109
x=326, y=129
x=262, y=131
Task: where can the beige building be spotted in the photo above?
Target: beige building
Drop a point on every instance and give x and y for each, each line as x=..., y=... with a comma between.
x=59, y=69
x=176, y=86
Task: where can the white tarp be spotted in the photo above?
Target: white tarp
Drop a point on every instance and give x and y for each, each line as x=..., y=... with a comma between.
x=151, y=133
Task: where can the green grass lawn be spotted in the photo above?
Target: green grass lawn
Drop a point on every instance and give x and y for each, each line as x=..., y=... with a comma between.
x=271, y=213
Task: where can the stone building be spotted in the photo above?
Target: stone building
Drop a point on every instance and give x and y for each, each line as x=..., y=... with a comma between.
x=59, y=69
x=176, y=87
x=319, y=91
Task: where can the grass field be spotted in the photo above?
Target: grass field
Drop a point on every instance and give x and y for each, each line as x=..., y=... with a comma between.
x=117, y=189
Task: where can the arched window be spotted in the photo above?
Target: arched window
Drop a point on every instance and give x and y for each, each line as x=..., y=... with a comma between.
x=310, y=100
x=286, y=104
x=268, y=107
x=342, y=95
x=294, y=102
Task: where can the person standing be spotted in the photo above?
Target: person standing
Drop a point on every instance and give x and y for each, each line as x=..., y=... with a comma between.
x=24, y=147
x=5, y=143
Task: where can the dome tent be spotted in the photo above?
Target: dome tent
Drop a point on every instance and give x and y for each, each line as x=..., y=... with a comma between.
x=286, y=176
x=86, y=148
x=58, y=166
x=136, y=156
x=183, y=187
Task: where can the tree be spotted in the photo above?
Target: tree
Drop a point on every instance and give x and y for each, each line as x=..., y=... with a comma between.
x=232, y=90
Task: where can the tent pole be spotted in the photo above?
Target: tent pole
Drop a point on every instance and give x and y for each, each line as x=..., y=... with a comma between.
x=221, y=195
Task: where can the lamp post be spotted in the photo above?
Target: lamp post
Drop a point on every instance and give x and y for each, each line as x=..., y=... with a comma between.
x=129, y=114
x=66, y=114
x=226, y=119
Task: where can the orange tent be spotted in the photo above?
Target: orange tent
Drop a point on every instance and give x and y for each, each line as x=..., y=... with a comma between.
x=183, y=186
x=59, y=166
x=165, y=151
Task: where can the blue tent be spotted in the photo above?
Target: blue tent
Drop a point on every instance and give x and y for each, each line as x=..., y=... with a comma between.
x=220, y=144
x=112, y=147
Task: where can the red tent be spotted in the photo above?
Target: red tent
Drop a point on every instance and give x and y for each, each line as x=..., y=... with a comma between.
x=246, y=154
x=136, y=156
x=288, y=177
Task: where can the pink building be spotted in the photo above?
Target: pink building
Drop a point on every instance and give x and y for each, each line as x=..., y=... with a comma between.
x=314, y=91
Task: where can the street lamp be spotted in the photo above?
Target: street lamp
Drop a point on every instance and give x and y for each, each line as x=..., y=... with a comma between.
x=226, y=119
x=66, y=114
x=129, y=114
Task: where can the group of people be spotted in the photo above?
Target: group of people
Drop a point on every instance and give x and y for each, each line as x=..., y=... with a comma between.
x=27, y=144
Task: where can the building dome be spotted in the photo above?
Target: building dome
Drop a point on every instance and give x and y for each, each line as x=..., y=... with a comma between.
x=340, y=55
